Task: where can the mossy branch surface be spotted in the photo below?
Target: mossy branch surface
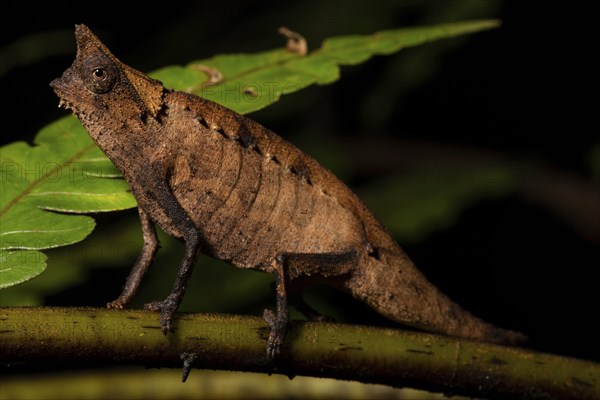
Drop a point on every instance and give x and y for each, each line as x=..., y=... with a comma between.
x=366, y=354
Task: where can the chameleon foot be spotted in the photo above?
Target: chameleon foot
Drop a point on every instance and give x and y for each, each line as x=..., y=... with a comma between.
x=276, y=336
x=167, y=309
x=119, y=304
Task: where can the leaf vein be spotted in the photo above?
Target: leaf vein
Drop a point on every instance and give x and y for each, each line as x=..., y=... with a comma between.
x=42, y=178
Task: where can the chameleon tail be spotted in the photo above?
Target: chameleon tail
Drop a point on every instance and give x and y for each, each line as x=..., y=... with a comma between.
x=392, y=285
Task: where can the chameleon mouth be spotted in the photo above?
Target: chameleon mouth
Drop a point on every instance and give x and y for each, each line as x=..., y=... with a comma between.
x=64, y=102
x=63, y=94
x=67, y=105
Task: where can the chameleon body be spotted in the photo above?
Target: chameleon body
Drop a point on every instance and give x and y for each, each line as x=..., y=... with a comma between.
x=229, y=187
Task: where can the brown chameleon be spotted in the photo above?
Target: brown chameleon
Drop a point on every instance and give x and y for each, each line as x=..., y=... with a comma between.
x=232, y=189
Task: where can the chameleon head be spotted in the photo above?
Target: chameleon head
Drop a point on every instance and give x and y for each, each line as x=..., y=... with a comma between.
x=97, y=83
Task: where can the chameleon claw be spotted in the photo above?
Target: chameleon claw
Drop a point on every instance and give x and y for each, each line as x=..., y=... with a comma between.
x=153, y=306
x=276, y=335
x=116, y=304
x=166, y=309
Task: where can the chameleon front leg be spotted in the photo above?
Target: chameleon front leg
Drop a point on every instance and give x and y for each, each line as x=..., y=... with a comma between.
x=175, y=216
x=141, y=265
x=169, y=306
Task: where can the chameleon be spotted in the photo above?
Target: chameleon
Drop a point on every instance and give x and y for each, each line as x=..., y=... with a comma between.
x=232, y=189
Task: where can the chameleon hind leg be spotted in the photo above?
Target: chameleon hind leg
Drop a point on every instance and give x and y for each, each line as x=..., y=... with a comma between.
x=288, y=266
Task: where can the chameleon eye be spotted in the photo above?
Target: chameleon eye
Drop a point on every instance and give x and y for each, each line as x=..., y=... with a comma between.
x=99, y=76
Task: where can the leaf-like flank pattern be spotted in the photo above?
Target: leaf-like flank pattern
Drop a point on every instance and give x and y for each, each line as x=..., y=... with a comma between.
x=44, y=187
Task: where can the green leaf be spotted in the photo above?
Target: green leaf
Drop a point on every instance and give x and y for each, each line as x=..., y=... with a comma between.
x=20, y=266
x=254, y=81
x=63, y=173
x=66, y=173
x=69, y=266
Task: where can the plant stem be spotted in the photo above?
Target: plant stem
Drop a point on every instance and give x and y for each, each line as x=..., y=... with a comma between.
x=366, y=354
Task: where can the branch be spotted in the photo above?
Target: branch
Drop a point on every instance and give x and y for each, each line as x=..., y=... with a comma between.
x=365, y=354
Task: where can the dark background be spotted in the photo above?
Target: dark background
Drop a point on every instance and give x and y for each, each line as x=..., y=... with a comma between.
x=522, y=261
